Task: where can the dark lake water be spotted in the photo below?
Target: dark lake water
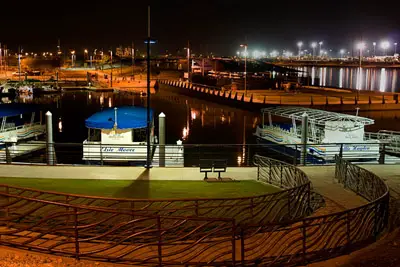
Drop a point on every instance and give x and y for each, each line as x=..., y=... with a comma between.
x=374, y=79
x=192, y=120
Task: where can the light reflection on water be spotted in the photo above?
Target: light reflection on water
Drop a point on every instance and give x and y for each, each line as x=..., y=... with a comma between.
x=374, y=79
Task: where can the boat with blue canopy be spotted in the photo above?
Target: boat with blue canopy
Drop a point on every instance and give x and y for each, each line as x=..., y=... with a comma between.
x=119, y=135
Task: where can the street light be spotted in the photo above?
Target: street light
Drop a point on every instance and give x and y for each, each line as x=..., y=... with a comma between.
x=361, y=46
x=320, y=48
x=300, y=44
x=245, y=67
x=85, y=53
x=374, y=44
x=313, y=45
x=385, y=45
x=72, y=58
x=342, y=51
x=395, y=48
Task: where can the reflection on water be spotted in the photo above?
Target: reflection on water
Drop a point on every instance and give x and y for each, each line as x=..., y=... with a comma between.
x=374, y=79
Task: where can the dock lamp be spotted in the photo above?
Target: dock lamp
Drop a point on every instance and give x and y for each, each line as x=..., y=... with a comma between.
x=299, y=45
x=385, y=45
x=313, y=45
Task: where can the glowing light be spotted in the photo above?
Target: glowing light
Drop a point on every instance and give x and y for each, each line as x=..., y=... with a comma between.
x=185, y=133
x=300, y=44
x=385, y=44
x=60, y=125
x=109, y=102
x=361, y=46
x=85, y=51
x=101, y=99
x=314, y=45
x=382, y=83
x=342, y=51
x=321, y=43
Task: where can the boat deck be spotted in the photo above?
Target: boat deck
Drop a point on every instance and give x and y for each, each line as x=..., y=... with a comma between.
x=21, y=149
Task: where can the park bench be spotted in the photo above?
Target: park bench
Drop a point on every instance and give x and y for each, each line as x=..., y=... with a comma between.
x=216, y=165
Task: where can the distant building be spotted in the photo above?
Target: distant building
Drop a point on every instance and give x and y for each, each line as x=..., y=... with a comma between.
x=123, y=52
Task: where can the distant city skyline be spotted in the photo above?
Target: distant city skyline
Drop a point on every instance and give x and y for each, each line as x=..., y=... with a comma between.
x=211, y=26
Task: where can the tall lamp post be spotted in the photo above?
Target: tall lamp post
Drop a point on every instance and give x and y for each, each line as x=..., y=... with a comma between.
x=300, y=44
x=72, y=58
x=313, y=45
x=360, y=47
x=385, y=45
x=245, y=67
x=374, y=44
x=320, y=48
x=395, y=48
x=188, y=60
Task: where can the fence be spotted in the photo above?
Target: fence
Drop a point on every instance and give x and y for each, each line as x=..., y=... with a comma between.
x=106, y=233
x=189, y=155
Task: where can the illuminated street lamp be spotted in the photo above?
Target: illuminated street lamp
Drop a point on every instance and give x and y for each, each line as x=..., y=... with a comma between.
x=374, y=44
x=299, y=45
x=342, y=51
x=72, y=58
x=395, y=48
x=85, y=53
x=360, y=47
x=320, y=48
x=245, y=67
x=385, y=45
x=313, y=45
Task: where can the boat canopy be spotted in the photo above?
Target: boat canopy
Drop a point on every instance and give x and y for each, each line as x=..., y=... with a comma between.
x=318, y=117
x=127, y=117
x=9, y=110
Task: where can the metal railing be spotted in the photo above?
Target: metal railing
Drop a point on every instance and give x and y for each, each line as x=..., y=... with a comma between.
x=104, y=233
x=189, y=155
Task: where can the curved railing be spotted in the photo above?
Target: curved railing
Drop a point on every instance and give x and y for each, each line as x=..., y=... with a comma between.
x=292, y=202
x=103, y=233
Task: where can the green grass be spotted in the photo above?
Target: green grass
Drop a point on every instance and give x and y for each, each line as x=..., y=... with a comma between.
x=145, y=189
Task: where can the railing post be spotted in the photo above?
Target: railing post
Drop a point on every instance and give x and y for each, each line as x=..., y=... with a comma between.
x=295, y=155
x=382, y=154
x=8, y=155
x=196, y=203
x=76, y=233
x=304, y=242
x=233, y=243
x=341, y=151
x=159, y=241
x=242, y=246
x=348, y=228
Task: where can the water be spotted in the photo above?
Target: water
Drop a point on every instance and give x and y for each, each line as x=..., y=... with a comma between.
x=192, y=120
x=373, y=79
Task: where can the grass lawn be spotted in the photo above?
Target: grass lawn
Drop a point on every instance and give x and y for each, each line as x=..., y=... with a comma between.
x=145, y=189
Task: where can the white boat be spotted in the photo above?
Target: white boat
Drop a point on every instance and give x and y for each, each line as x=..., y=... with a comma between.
x=328, y=133
x=119, y=135
x=19, y=123
x=25, y=90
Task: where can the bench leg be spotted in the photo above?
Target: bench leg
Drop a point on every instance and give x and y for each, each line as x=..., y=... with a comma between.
x=219, y=175
x=205, y=176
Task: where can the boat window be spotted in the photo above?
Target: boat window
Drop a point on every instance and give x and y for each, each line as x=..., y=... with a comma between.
x=139, y=135
x=19, y=120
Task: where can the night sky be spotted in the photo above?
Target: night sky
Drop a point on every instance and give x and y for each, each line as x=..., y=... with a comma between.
x=211, y=26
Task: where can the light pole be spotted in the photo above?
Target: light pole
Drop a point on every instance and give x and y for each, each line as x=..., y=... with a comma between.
x=313, y=45
x=300, y=44
x=342, y=51
x=320, y=48
x=360, y=47
x=395, y=48
x=111, y=68
x=374, y=44
x=85, y=53
x=245, y=67
x=385, y=45
x=72, y=58
x=188, y=60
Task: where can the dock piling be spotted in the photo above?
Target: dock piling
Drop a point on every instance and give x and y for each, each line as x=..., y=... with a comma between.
x=161, y=138
x=49, y=138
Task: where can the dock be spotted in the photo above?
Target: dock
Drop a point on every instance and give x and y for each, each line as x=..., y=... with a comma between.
x=17, y=150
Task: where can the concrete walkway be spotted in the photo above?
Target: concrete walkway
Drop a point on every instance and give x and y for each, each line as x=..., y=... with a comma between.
x=322, y=178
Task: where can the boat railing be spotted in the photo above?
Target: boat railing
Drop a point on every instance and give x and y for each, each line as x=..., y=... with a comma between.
x=14, y=128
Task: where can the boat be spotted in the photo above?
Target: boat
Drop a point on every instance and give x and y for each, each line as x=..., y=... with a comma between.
x=119, y=135
x=328, y=134
x=19, y=124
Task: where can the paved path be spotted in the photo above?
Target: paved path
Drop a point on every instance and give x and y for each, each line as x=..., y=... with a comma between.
x=322, y=178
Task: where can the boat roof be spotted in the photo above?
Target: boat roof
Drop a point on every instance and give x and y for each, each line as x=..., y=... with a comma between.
x=9, y=110
x=319, y=117
x=128, y=117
